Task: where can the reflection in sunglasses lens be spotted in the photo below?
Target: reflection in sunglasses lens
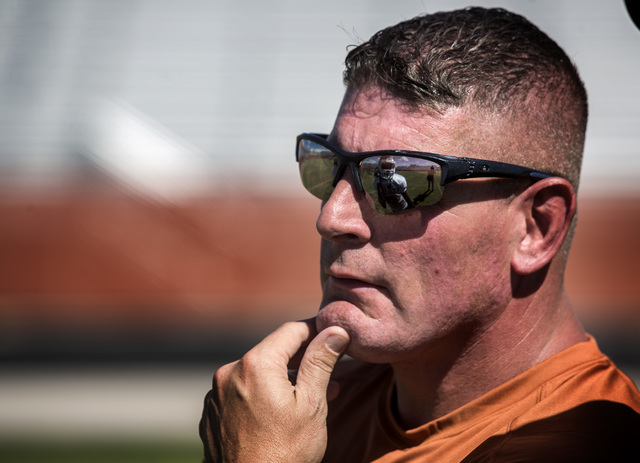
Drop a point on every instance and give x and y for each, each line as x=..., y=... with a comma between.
x=395, y=183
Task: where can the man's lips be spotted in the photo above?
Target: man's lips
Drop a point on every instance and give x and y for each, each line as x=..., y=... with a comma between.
x=350, y=282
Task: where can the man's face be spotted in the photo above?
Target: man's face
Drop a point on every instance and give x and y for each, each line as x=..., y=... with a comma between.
x=410, y=284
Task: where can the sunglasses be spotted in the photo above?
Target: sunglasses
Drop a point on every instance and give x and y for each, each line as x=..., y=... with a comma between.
x=396, y=180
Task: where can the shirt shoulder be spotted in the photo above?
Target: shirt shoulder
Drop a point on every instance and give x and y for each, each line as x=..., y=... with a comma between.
x=583, y=409
x=585, y=375
x=593, y=431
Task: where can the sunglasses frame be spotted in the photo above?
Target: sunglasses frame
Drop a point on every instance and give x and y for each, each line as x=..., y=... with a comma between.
x=453, y=168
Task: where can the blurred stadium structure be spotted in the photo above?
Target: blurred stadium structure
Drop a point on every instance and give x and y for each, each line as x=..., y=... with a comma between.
x=149, y=201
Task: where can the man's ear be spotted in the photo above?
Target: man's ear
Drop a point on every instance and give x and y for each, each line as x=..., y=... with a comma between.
x=547, y=208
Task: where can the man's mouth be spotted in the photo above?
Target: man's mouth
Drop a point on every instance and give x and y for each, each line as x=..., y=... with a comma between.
x=350, y=282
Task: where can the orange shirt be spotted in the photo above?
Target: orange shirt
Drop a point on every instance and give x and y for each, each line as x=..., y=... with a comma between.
x=574, y=406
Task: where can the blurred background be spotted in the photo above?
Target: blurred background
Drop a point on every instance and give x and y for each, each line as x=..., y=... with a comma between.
x=152, y=224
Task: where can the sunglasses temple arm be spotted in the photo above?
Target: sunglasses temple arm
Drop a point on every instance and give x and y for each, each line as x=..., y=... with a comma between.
x=454, y=169
x=465, y=168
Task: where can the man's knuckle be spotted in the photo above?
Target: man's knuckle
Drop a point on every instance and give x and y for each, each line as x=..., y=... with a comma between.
x=250, y=364
x=222, y=374
x=323, y=362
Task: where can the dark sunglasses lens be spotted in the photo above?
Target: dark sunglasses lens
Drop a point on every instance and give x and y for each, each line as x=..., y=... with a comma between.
x=395, y=183
x=317, y=168
x=398, y=183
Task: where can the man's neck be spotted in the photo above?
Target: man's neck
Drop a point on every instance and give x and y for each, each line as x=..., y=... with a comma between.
x=519, y=340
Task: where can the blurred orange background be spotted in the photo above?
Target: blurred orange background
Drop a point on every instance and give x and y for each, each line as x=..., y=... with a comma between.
x=97, y=259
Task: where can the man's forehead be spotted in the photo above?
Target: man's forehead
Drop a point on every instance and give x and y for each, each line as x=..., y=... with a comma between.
x=370, y=119
x=366, y=102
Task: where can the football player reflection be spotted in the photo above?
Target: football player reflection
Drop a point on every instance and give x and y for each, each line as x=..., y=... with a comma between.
x=391, y=186
x=430, y=176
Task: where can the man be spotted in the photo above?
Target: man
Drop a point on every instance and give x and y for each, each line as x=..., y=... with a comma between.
x=462, y=343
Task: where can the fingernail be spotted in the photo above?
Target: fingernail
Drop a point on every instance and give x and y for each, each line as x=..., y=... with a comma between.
x=338, y=343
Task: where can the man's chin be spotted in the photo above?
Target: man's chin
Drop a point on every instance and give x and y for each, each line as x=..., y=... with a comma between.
x=345, y=315
x=323, y=322
x=338, y=313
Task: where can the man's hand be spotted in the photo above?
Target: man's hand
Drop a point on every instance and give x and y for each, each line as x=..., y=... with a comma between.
x=255, y=414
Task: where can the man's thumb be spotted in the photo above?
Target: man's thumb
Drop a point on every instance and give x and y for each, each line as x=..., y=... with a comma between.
x=319, y=359
x=337, y=340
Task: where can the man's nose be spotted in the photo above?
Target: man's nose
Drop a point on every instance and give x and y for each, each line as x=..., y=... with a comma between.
x=343, y=215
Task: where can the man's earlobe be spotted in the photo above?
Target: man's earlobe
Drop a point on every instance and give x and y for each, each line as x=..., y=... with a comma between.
x=547, y=209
